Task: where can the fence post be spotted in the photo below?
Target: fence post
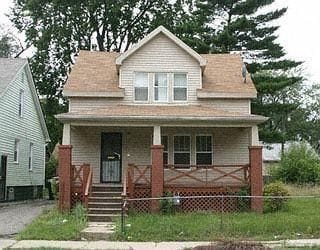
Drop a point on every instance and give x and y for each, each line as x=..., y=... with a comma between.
x=256, y=180
x=65, y=176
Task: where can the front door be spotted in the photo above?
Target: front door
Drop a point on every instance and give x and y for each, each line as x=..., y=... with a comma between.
x=3, y=170
x=111, y=151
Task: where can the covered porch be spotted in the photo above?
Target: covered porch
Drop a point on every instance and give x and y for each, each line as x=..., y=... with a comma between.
x=148, y=160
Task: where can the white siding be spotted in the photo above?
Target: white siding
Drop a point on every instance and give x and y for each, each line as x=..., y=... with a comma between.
x=230, y=145
x=27, y=129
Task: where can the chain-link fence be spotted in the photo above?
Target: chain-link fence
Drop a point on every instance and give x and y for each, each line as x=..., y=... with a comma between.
x=229, y=210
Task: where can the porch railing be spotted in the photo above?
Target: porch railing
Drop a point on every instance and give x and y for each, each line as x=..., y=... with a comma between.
x=206, y=175
x=189, y=176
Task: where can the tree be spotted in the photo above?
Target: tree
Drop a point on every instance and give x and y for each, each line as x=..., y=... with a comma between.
x=246, y=26
x=10, y=46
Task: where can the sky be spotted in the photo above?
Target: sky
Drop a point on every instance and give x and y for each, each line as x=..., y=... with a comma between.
x=299, y=32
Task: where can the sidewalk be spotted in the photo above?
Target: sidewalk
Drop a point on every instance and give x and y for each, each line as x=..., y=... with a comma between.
x=97, y=245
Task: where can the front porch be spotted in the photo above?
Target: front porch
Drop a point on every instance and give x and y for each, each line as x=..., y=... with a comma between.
x=151, y=160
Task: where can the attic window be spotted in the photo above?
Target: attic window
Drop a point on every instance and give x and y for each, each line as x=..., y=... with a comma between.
x=141, y=83
x=180, y=87
x=21, y=102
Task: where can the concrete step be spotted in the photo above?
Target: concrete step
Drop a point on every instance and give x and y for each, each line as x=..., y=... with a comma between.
x=104, y=211
x=105, y=199
x=105, y=204
x=98, y=231
x=102, y=217
x=106, y=188
x=105, y=194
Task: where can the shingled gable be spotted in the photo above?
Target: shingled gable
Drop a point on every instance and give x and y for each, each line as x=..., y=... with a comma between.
x=168, y=34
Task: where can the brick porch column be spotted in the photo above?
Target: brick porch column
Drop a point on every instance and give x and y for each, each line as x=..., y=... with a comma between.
x=65, y=178
x=156, y=168
x=255, y=156
x=156, y=175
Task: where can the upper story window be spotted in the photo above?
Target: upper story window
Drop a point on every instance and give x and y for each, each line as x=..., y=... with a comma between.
x=180, y=87
x=161, y=87
x=141, y=86
x=16, y=150
x=21, y=103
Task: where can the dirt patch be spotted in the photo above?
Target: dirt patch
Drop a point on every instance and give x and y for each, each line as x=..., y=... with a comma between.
x=233, y=246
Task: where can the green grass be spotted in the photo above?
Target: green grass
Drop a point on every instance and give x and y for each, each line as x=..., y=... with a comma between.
x=301, y=219
x=53, y=225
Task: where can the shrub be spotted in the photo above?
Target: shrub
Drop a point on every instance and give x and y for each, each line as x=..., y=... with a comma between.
x=243, y=202
x=299, y=165
x=167, y=205
x=275, y=204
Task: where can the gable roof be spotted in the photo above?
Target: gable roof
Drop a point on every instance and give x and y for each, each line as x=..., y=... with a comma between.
x=95, y=74
x=9, y=69
x=168, y=34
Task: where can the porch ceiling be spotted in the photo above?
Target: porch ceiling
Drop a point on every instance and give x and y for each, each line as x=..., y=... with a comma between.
x=159, y=113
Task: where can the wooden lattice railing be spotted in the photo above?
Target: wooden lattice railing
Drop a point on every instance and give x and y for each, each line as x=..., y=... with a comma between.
x=206, y=175
x=81, y=182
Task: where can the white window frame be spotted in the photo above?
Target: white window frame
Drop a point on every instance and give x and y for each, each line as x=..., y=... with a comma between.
x=16, y=149
x=21, y=103
x=31, y=151
x=173, y=87
x=134, y=87
x=195, y=148
x=190, y=148
x=154, y=87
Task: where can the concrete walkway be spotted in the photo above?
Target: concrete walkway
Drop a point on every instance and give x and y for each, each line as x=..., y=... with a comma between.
x=97, y=245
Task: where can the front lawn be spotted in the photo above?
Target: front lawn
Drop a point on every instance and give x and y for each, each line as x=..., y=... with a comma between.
x=301, y=219
x=53, y=225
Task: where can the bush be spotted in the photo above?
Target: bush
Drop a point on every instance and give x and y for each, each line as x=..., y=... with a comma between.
x=243, y=203
x=275, y=204
x=299, y=165
x=167, y=205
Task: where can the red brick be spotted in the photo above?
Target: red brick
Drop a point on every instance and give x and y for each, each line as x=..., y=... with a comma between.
x=65, y=177
x=156, y=175
x=255, y=155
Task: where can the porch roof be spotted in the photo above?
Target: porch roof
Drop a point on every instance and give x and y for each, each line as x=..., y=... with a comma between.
x=160, y=113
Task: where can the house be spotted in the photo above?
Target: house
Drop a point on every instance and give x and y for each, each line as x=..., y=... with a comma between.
x=23, y=133
x=158, y=118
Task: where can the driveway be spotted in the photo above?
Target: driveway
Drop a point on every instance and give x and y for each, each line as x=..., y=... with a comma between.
x=14, y=216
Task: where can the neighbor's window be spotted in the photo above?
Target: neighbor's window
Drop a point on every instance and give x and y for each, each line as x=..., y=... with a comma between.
x=141, y=86
x=204, y=150
x=180, y=87
x=16, y=150
x=30, y=156
x=181, y=150
x=21, y=102
x=164, y=142
x=160, y=87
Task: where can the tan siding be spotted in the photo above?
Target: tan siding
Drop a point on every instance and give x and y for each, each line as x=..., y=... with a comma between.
x=230, y=145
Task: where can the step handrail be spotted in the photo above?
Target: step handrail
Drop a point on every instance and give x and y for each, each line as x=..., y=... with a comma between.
x=88, y=188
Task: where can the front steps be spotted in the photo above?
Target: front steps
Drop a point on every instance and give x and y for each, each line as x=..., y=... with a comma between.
x=104, y=203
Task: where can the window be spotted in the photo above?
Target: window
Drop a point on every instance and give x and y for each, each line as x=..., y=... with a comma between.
x=160, y=87
x=16, y=151
x=141, y=86
x=21, y=102
x=204, y=150
x=30, y=156
x=181, y=150
x=180, y=87
x=164, y=142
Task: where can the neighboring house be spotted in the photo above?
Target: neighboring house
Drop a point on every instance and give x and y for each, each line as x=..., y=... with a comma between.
x=271, y=155
x=123, y=107
x=23, y=133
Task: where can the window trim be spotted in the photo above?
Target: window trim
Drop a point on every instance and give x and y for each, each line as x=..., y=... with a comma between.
x=154, y=87
x=16, y=150
x=31, y=156
x=173, y=87
x=134, y=88
x=190, y=151
x=195, y=148
x=21, y=103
